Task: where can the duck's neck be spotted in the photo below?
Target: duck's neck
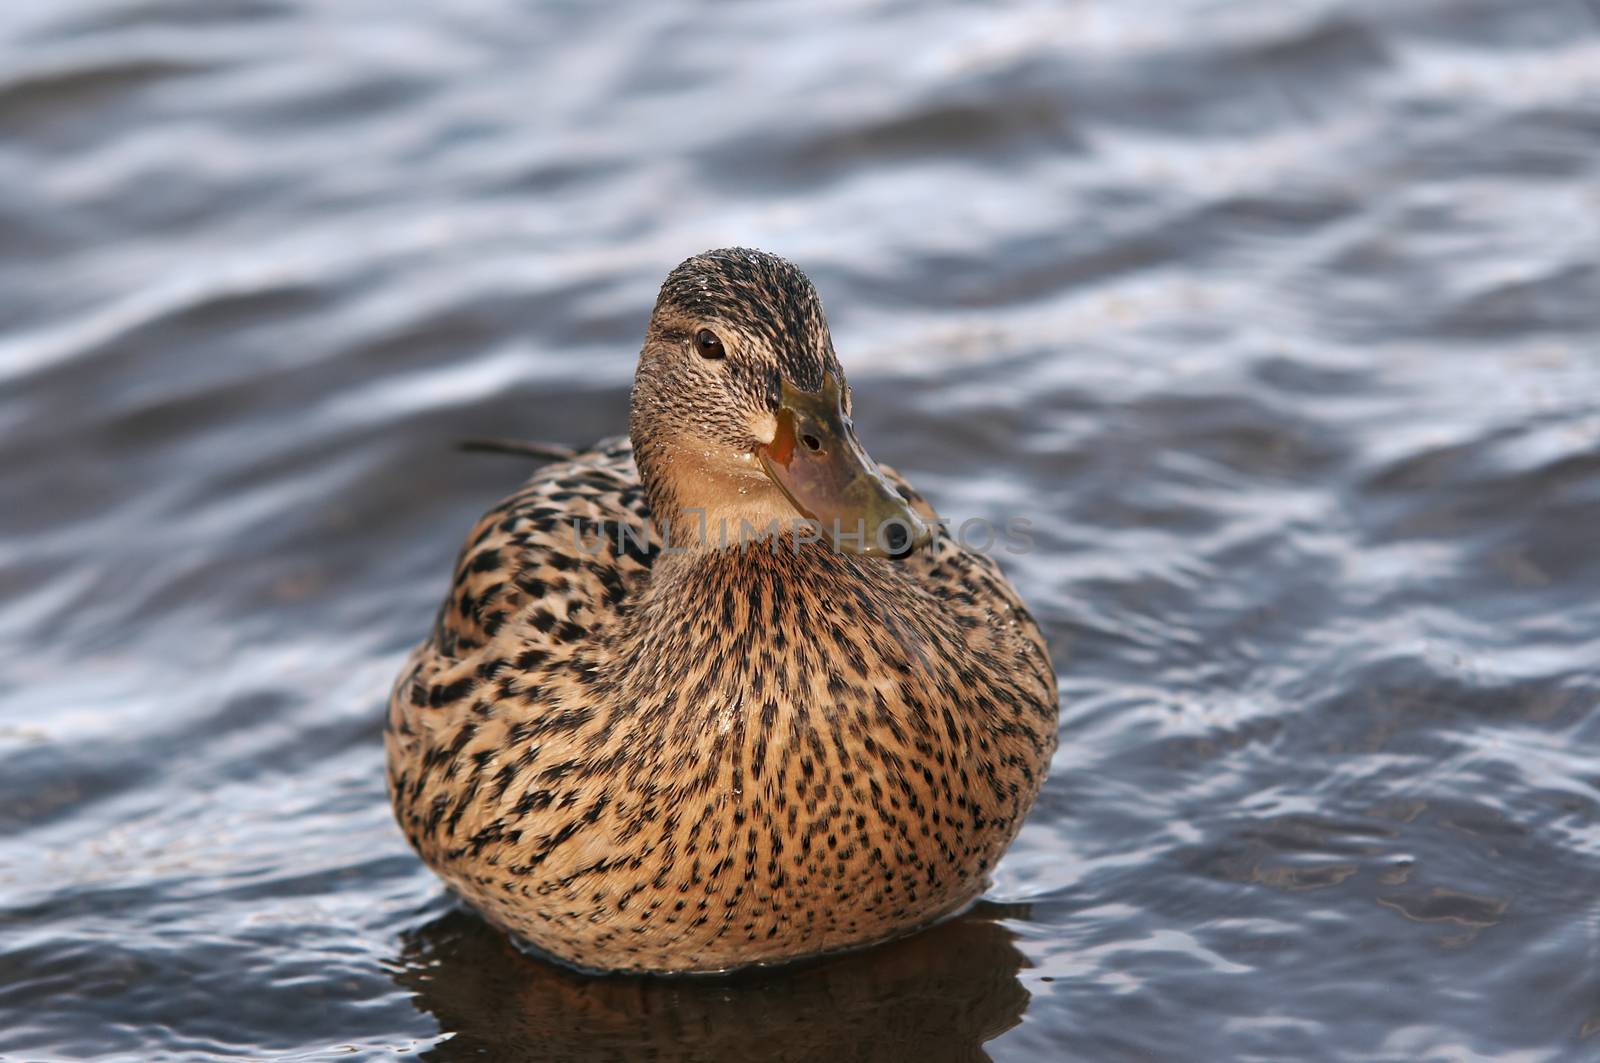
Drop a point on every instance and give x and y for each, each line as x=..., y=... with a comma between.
x=772, y=607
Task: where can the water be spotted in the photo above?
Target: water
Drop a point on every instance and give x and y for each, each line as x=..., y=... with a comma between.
x=1278, y=321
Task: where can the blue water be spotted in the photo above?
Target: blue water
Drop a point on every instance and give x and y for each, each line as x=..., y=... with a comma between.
x=1280, y=322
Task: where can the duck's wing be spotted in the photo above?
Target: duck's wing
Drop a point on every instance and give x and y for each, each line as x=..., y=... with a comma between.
x=541, y=576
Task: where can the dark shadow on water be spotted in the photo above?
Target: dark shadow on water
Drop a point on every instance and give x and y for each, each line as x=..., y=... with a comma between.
x=938, y=995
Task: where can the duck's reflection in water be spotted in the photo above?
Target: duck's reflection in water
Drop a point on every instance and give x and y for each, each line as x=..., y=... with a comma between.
x=937, y=995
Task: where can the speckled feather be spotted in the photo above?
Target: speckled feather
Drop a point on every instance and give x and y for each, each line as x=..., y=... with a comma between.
x=651, y=761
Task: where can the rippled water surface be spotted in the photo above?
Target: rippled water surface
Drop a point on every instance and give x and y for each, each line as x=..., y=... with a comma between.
x=1280, y=321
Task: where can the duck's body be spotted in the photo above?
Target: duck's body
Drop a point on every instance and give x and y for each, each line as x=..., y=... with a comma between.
x=701, y=757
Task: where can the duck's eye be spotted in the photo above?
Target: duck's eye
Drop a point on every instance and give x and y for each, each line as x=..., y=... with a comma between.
x=707, y=345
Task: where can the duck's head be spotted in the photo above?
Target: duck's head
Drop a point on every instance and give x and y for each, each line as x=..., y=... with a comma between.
x=742, y=412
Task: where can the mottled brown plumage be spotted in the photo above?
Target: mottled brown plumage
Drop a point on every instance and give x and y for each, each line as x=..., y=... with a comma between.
x=699, y=758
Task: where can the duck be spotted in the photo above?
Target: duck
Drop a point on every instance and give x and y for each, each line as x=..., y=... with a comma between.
x=724, y=691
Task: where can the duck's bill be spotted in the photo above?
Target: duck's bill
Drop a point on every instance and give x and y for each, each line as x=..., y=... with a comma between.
x=817, y=462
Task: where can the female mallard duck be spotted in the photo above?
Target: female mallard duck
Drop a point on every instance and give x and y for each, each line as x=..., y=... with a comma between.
x=728, y=742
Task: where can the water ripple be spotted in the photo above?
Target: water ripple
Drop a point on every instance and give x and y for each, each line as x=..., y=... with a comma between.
x=1275, y=321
